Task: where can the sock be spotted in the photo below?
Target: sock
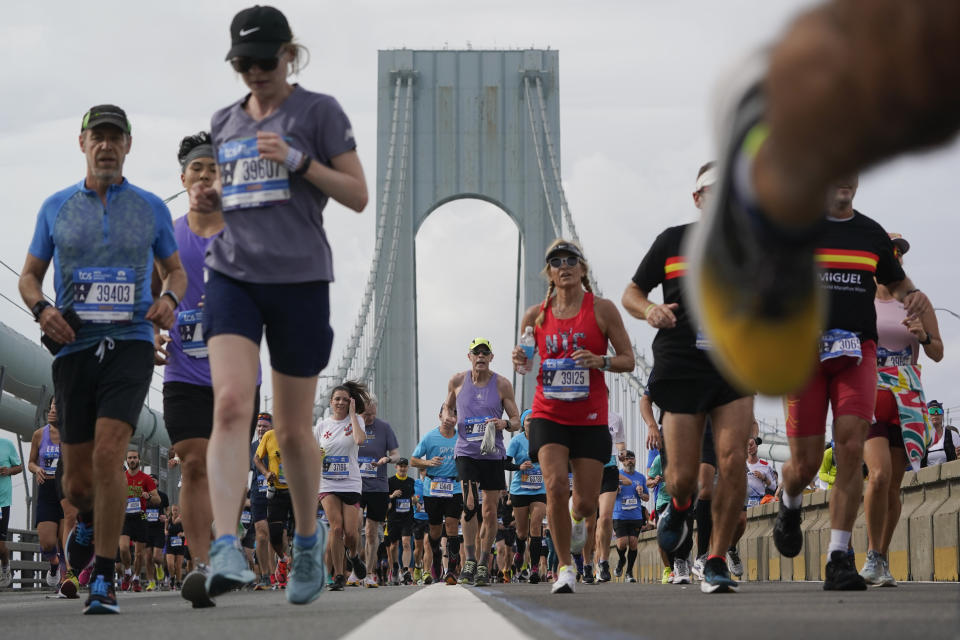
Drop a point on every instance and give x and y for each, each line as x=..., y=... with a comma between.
x=679, y=507
x=85, y=518
x=536, y=550
x=226, y=539
x=839, y=541
x=484, y=557
x=437, y=560
x=623, y=555
x=578, y=560
x=305, y=542
x=453, y=548
x=631, y=558
x=104, y=567
x=704, y=526
x=521, y=546
x=792, y=502
x=126, y=572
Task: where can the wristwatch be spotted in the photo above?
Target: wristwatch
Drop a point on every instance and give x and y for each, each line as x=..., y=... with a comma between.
x=173, y=296
x=606, y=364
x=928, y=340
x=38, y=308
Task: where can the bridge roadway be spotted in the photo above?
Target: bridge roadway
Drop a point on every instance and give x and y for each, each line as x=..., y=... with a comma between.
x=614, y=611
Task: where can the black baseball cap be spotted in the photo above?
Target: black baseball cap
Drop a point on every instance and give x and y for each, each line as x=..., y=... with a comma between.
x=568, y=247
x=105, y=114
x=404, y=462
x=258, y=32
x=629, y=454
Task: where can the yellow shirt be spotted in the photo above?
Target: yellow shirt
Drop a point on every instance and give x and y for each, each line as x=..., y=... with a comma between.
x=269, y=449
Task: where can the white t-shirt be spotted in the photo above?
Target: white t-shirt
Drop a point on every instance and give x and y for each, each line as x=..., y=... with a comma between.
x=935, y=453
x=755, y=486
x=341, y=471
x=615, y=424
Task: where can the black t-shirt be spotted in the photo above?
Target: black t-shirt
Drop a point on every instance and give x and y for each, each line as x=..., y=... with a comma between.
x=850, y=253
x=505, y=513
x=675, y=351
x=162, y=509
x=174, y=530
x=401, y=507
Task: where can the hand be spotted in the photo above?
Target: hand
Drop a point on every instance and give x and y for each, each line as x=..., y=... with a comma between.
x=161, y=312
x=172, y=462
x=587, y=359
x=272, y=146
x=435, y=461
x=203, y=198
x=53, y=324
x=396, y=494
x=518, y=357
x=353, y=407
x=145, y=495
x=627, y=482
x=916, y=304
x=653, y=438
x=449, y=420
x=500, y=425
x=381, y=461
x=41, y=476
x=915, y=327
x=662, y=317
x=271, y=477
x=526, y=465
x=160, y=353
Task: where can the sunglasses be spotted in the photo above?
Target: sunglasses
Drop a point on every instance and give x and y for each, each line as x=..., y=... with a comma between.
x=242, y=65
x=480, y=351
x=935, y=411
x=570, y=261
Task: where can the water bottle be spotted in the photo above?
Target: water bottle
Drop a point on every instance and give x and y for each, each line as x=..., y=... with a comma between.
x=529, y=345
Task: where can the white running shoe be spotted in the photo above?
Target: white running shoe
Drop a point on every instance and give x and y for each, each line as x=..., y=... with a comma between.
x=566, y=579
x=681, y=571
x=872, y=571
x=887, y=579
x=369, y=582
x=53, y=577
x=697, y=570
x=353, y=581
x=6, y=577
x=578, y=531
x=734, y=562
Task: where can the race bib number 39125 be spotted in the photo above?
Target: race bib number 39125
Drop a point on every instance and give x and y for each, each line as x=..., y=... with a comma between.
x=564, y=380
x=250, y=180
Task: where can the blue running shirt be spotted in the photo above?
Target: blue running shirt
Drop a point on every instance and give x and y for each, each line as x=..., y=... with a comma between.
x=431, y=445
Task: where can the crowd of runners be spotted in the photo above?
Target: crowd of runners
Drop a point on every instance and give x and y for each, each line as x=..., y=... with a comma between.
x=317, y=507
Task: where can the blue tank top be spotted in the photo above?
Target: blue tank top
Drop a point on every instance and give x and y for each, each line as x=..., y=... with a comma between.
x=48, y=456
x=476, y=405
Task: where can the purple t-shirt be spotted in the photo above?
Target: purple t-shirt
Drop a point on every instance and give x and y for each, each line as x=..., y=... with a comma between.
x=274, y=220
x=475, y=406
x=380, y=440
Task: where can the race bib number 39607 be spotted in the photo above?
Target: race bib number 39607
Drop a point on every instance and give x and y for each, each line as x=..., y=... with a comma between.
x=250, y=180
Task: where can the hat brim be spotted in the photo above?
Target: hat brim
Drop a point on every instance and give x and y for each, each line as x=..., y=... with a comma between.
x=902, y=244
x=257, y=50
x=114, y=121
x=564, y=249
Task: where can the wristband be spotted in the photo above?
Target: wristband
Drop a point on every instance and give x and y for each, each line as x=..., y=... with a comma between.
x=38, y=308
x=294, y=158
x=928, y=340
x=647, y=310
x=173, y=296
x=306, y=165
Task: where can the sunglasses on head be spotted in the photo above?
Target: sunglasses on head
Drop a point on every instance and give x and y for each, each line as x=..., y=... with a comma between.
x=570, y=261
x=242, y=65
x=935, y=411
x=480, y=351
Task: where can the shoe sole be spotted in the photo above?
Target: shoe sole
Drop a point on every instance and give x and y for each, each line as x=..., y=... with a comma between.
x=220, y=584
x=563, y=589
x=68, y=590
x=852, y=585
x=97, y=608
x=194, y=591
x=321, y=545
x=706, y=587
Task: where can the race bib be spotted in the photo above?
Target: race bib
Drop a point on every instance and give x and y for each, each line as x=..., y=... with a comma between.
x=133, y=505
x=51, y=460
x=246, y=517
x=367, y=470
x=250, y=180
x=474, y=428
x=104, y=294
x=281, y=479
x=703, y=342
x=176, y=541
x=564, y=380
x=629, y=503
x=153, y=515
x=190, y=326
x=839, y=343
x=570, y=480
x=531, y=480
x=262, y=483
x=336, y=467
x=753, y=501
x=886, y=358
x=403, y=505
x=441, y=487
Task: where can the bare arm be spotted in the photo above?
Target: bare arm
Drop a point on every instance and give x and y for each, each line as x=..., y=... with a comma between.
x=505, y=388
x=32, y=465
x=611, y=324
x=637, y=304
x=518, y=357
x=174, y=279
x=449, y=416
x=653, y=430
x=345, y=182
x=31, y=290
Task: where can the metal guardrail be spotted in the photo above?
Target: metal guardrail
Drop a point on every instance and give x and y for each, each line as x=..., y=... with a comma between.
x=29, y=570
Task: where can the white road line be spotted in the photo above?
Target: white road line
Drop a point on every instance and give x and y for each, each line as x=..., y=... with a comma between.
x=437, y=607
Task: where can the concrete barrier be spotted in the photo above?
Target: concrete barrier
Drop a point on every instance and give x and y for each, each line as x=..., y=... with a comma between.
x=925, y=545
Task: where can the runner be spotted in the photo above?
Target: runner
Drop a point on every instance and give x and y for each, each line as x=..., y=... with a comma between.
x=270, y=464
x=175, y=547
x=155, y=517
x=141, y=494
x=476, y=400
x=687, y=386
x=273, y=250
x=340, y=437
x=42, y=463
x=569, y=426
x=855, y=254
x=898, y=427
x=421, y=531
x=403, y=503
x=379, y=449
x=835, y=81
x=528, y=497
x=101, y=353
x=442, y=495
x=505, y=540
x=258, y=506
x=628, y=512
x=600, y=525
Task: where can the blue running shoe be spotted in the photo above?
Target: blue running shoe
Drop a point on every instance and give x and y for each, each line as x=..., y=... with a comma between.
x=673, y=528
x=309, y=575
x=102, y=598
x=716, y=577
x=80, y=546
x=228, y=569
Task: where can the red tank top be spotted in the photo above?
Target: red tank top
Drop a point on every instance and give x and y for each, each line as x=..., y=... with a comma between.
x=564, y=394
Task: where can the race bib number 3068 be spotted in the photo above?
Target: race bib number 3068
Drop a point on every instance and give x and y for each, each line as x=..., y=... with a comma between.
x=250, y=180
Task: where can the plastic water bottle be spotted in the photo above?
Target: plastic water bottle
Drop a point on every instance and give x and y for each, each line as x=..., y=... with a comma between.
x=529, y=345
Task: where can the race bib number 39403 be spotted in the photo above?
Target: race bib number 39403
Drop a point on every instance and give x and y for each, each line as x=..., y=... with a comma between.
x=250, y=180
x=104, y=294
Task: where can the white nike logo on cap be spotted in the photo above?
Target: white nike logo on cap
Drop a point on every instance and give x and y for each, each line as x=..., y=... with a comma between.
x=246, y=32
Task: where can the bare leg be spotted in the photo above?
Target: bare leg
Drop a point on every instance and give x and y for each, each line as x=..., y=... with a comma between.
x=876, y=453
x=894, y=505
x=731, y=427
x=195, y=497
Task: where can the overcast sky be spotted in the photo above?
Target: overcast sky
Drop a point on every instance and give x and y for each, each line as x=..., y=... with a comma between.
x=635, y=81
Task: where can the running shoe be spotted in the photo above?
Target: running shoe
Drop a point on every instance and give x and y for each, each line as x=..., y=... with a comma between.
x=752, y=284
x=338, y=583
x=354, y=581
x=195, y=587
x=395, y=579
x=716, y=577
x=358, y=567
x=734, y=562
x=604, y=572
x=70, y=587
x=630, y=578
x=309, y=573
x=102, y=598
x=872, y=571
x=566, y=580
x=428, y=579
x=263, y=584
x=228, y=569
x=407, y=577
x=887, y=580
x=482, y=578
x=151, y=586
x=534, y=577
x=369, y=582
x=841, y=574
x=80, y=545
x=621, y=563
x=125, y=582
x=53, y=577
x=588, y=577
x=449, y=578
x=136, y=585
x=664, y=577
x=697, y=570
x=417, y=574
x=681, y=571
x=467, y=575
x=283, y=568
x=6, y=577
x=673, y=528
x=85, y=575
x=160, y=573
x=578, y=531
x=787, y=535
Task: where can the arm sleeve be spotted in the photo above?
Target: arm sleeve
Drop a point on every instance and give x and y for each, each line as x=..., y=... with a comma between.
x=418, y=452
x=334, y=132
x=41, y=246
x=391, y=438
x=509, y=464
x=650, y=272
x=165, y=244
